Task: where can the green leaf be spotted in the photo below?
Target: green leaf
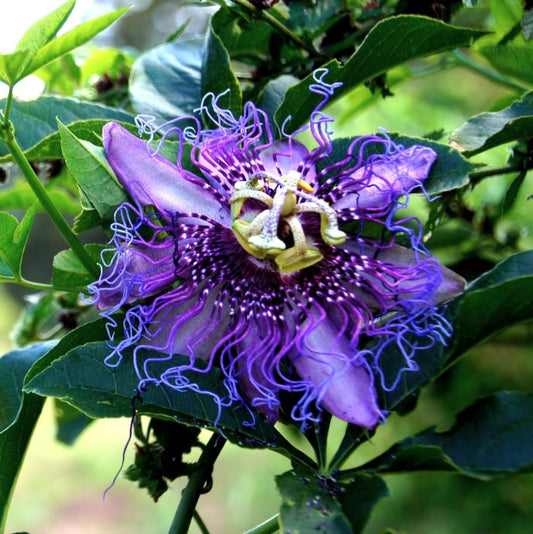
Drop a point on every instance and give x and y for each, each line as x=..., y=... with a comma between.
x=10, y=65
x=391, y=42
x=93, y=331
x=69, y=272
x=500, y=298
x=91, y=170
x=81, y=378
x=39, y=120
x=70, y=422
x=245, y=39
x=166, y=82
x=18, y=415
x=309, y=504
x=45, y=29
x=514, y=59
x=71, y=40
x=217, y=76
x=490, y=438
x=13, y=239
x=490, y=129
x=273, y=94
x=358, y=498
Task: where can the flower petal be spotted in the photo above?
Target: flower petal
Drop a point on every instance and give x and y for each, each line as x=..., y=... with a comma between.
x=153, y=180
x=451, y=284
x=345, y=386
x=377, y=184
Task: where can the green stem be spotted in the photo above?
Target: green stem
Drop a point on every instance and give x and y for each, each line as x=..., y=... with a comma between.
x=268, y=527
x=200, y=522
x=275, y=23
x=42, y=195
x=38, y=286
x=487, y=72
x=477, y=176
x=191, y=493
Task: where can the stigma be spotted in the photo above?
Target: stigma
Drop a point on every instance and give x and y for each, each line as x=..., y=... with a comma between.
x=276, y=232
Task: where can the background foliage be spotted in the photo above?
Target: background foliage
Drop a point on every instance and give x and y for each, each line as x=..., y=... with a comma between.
x=462, y=88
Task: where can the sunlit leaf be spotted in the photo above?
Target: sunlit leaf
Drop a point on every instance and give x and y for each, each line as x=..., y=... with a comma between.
x=71, y=40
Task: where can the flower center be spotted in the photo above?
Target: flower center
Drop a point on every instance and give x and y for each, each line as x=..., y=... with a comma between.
x=277, y=232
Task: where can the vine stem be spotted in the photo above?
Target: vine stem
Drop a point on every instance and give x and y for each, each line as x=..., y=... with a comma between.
x=476, y=176
x=268, y=527
x=275, y=23
x=487, y=72
x=40, y=192
x=187, y=506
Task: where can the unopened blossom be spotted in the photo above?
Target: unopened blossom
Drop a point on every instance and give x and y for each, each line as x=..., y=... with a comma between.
x=288, y=268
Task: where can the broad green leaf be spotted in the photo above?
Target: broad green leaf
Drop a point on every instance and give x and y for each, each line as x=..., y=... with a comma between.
x=359, y=496
x=81, y=378
x=391, y=42
x=490, y=129
x=71, y=40
x=309, y=504
x=506, y=14
x=13, y=239
x=500, y=298
x=70, y=422
x=217, y=76
x=92, y=172
x=18, y=415
x=49, y=148
x=166, y=82
x=245, y=39
x=93, y=331
x=39, y=119
x=69, y=272
x=490, y=438
x=272, y=96
x=514, y=59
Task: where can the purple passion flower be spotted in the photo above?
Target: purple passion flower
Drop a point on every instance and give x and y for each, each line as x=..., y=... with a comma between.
x=264, y=266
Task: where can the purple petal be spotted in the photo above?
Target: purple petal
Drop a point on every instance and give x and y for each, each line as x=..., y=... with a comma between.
x=346, y=388
x=376, y=185
x=282, y=157
x=138, y=271
x=153, y=180
x=451, y=284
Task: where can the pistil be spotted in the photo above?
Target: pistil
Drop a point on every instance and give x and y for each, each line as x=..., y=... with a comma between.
x=259, y=237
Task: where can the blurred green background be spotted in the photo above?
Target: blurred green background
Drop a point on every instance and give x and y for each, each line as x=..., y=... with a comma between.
x=60, y=490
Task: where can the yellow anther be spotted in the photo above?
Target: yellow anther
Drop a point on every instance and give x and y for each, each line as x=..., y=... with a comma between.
x=241, y=231
x=302, y=184
x=271, y=246
x=239, y=197
x=331, y=234
x=292, y=260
